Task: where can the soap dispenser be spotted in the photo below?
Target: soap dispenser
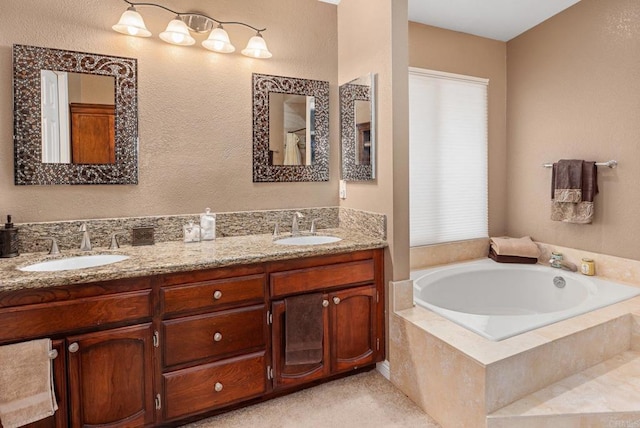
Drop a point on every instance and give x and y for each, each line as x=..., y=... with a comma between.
x=9, y=240
x=208, y=225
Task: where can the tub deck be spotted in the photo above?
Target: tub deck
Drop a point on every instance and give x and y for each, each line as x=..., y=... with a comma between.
x=459, y=377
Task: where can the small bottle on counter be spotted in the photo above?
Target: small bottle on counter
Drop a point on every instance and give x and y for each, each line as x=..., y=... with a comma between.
x=208, y=225
x=191, y=232
x=588, y=267
x=9, y=240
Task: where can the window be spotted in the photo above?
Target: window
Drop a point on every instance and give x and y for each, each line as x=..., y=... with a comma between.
x=447, y=157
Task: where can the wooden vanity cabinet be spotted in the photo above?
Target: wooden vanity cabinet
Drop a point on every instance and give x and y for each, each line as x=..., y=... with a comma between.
x=353, y=314
x=165, y=349
x=111, y=377
x=103, y=374
x=214, y=338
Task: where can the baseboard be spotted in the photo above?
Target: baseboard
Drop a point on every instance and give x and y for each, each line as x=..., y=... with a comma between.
x=383, y=368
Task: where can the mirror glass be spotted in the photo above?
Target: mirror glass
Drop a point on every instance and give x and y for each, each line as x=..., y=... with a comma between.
x=357, y=128
x=84, y=134
x=290, y=129
x=78, y=117
x=363, y=132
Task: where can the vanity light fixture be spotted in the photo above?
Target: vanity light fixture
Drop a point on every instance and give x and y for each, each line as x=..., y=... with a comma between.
x=178, y=31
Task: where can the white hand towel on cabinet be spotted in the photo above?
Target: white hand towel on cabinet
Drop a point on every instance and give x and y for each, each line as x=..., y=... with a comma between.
x=26, y=383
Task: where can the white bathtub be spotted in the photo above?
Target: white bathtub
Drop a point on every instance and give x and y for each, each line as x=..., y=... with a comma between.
x=497, y=300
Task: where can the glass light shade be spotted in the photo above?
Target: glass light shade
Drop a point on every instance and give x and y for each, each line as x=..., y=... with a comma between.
x=218, y=41
x=257, y=48
x=132, y=24
x=177, y=33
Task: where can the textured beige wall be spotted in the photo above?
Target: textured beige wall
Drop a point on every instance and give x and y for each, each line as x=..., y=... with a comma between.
x=372, y=37
x=574, y=92
x=194, y=106
x=443, y=50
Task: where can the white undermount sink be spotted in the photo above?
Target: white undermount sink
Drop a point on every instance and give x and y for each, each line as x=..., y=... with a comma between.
x=72, y=263
x=308, y=240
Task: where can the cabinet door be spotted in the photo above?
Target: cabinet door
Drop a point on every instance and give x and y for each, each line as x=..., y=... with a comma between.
x=353, y=335
x=288, y=375
x=111, y=377
x=59, y=419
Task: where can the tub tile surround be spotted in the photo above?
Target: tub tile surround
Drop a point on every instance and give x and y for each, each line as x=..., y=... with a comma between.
x=171, y=254
x=558, y=357
x=424, y=346
x=452, y=252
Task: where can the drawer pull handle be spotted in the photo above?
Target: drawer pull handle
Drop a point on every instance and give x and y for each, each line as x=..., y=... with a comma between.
x=74, y=347
x=217, y=337
x=218, y=387
x=217, y=295
x=336, y=300
x=325, y=303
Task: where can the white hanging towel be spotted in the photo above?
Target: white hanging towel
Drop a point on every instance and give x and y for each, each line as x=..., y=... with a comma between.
x=291, y=150
x=26, y=383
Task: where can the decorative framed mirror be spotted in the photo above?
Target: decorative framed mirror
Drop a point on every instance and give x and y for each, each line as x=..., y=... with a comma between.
x=75, y=117
x=290, y=129
x=358, y=128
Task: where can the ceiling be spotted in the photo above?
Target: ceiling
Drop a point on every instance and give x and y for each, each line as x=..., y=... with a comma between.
x=495, y=19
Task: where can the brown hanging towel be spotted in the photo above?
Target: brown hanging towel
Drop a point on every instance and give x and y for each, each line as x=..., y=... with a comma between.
x=304, y=329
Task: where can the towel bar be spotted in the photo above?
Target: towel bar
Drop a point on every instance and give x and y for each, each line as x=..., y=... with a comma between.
x=610, y=164
x=53, y=354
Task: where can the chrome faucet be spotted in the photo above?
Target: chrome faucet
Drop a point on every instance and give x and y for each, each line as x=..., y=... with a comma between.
x=314, y=229
x=114, y=239
x=295, y=231
x=85, y=245
x=557, y=262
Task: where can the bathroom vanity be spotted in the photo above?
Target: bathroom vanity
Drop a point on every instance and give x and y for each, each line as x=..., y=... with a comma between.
x=171, y=343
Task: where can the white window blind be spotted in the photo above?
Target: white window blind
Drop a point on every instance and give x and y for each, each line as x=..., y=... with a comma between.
x=447, y=157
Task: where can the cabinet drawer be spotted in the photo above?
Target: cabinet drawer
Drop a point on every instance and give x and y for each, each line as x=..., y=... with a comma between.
x=214, y=335
x=56, y=317
x=321, y=277
x=216, y=294
x=205, y=387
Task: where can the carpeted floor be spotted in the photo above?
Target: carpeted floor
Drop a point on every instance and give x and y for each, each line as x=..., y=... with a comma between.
x=364, y=400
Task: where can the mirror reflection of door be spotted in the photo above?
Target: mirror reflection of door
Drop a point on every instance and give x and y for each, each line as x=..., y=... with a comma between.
x=291, y=129
x=78, y=118
x=363, y=132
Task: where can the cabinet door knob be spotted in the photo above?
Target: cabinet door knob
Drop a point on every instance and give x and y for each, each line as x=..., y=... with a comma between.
x=217, y=295
x=218, y=387
x=325, y=303
x=336, y=300
x=74, y=347
x=217, y=337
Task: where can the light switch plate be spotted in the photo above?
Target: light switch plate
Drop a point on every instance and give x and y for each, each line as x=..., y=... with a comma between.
x=343, y=189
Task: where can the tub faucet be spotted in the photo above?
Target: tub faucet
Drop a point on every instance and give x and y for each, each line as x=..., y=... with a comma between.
x=560, y=264
x=85, y=245
x=294, y=226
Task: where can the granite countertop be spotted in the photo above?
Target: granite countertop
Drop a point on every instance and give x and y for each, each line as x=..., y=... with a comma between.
x=168, y=257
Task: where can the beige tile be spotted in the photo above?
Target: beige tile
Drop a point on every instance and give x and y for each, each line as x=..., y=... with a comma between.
x=433, y=255
x=445, y=383
x=610, y=387
x=400, y=295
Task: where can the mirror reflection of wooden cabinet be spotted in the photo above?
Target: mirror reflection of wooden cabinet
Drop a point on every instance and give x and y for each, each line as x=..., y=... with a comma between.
x=364, y=143
x=93, y=133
